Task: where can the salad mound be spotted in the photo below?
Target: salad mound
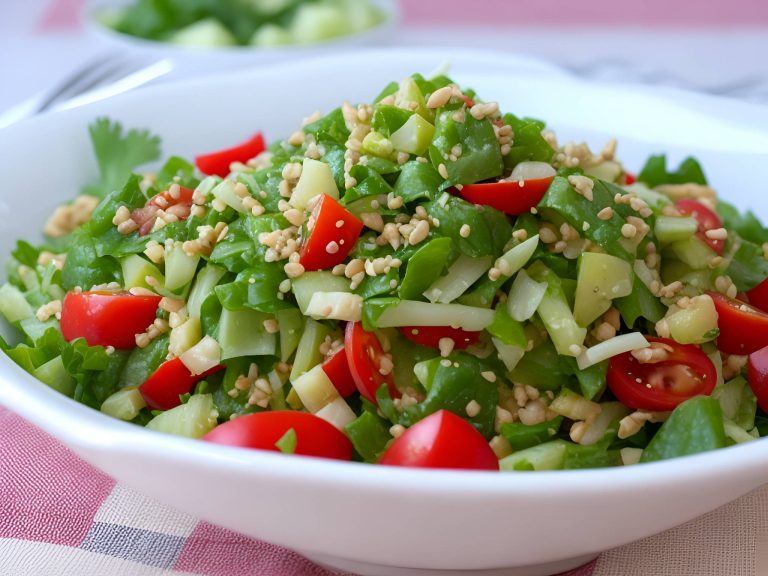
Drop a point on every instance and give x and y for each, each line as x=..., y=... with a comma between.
x=420, y=281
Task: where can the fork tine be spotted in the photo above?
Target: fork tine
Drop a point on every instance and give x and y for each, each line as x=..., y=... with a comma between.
x=85, y=78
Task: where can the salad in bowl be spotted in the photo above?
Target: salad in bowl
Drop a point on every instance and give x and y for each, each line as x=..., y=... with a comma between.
x=424, y=280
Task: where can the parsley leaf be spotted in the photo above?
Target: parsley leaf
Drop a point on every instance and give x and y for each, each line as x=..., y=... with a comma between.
x=118, y=153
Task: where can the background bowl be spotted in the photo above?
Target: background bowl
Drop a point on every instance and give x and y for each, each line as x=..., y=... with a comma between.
x=204, y=60
x=368, y=519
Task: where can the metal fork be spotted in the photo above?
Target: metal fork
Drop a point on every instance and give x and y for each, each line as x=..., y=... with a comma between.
x=100, y=78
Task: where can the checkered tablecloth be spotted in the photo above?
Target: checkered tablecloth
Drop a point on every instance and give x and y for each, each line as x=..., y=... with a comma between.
x=61, y=517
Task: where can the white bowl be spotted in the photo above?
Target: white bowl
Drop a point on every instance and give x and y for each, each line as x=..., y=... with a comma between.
x=363, y=518
x=208, y=60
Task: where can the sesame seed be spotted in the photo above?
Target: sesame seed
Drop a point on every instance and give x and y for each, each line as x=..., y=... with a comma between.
x=473, y=408
x=446, y=346
x=443, y=171
x=465, y=231
x=574, y=349
x=606, y=213
x=488, y=375
x=397, y=430
x=628, y=231
x=439, y=97
x=293, y=269
x=332, y=247
x=716, y=234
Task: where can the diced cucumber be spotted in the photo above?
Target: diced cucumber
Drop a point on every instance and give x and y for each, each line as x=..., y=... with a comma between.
x=413, y=313
x=670, y=229
x=291, y=323
x=546, y=456
x=56, y=376
x=242, y=333
x=425, y=372
x=574, y=406
x=608, y=170
x=308, y=352
x=524, y=297
x=34, y=328
x=185, y=336
x=413, y=137
x=205, y=282
x=316, y=179
x=203, y=356
x=208, y=32
x=360, y=15
x=337, y=412
x=737, y=401
x=13, y=305
x=556, y=314
x=694, y=252
x=336, y=306
x=29, y=278
x=518, y=256
x=193, y=420
x=508, y=353
x=736, y=433
x=656, y=200
x=461, y=275
x=271, y=35
x=225, y=191
x=321, y=281
x=315, y=389
x=609, y=413
x=314, y=22
x=136, y=270
x=696, y=323
x=631, y=456
x=601, y=279
x=180, y=267
x=124, y=404
x=408, y=91
x=377, y=144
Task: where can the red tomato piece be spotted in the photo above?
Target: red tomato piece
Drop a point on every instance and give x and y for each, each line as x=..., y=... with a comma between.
x=332, y=236
x=181, y=207
x=661, y=386
x=758, y=296
x=757, y=374
x=515, y=198
x=162, y=389
x=262, y=430
x=106, y=318
x=707, y=219
x=217, y=163
x=629, y=178
x=441, y=440
x=364, y=355
x=430, y=336
x=743, y=328
x=337, y=369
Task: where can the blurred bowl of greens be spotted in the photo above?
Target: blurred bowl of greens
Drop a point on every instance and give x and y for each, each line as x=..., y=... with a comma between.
x=212, y=35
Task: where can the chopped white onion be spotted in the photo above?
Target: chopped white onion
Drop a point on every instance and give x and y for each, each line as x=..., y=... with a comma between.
x=203, y=356
x=609, y=348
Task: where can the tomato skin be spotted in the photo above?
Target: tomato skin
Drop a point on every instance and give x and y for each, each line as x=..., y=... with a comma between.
x=687, y=372
x=757, y=374
x=707, y=219
x=441, y=440
x=180, y=207
x=261, y=430
x=107, y=319
x=758, y=296
x=217, y=163
x=162, y=389
x=314, y=253
x=430, y=336
x=508, y=197
x=364, y=353
x=337, y=369
x=629, y=178
x=743, y=328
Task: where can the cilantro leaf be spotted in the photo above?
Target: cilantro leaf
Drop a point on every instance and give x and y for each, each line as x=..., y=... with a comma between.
x=118, y=153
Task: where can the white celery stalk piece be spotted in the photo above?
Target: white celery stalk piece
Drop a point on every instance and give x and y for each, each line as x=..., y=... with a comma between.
x=525, y=296
x=610, y=348
x=413, y=313
x=461, y=275
x=336, y=306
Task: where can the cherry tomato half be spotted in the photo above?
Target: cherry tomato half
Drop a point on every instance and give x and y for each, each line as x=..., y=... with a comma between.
x=262, y=430
x=743, y=328
x=707, y=220
x=686, y=372
x=629, y=178
x=758, y=296
x=181, y=206
x=162, y=389
x=332, y=236
x=515, y=198
x=757, y=374
x=106, y=318
x=430, y=336
x=364, y=355
x=217, y=163
x=337, y=369
x=441, y=440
